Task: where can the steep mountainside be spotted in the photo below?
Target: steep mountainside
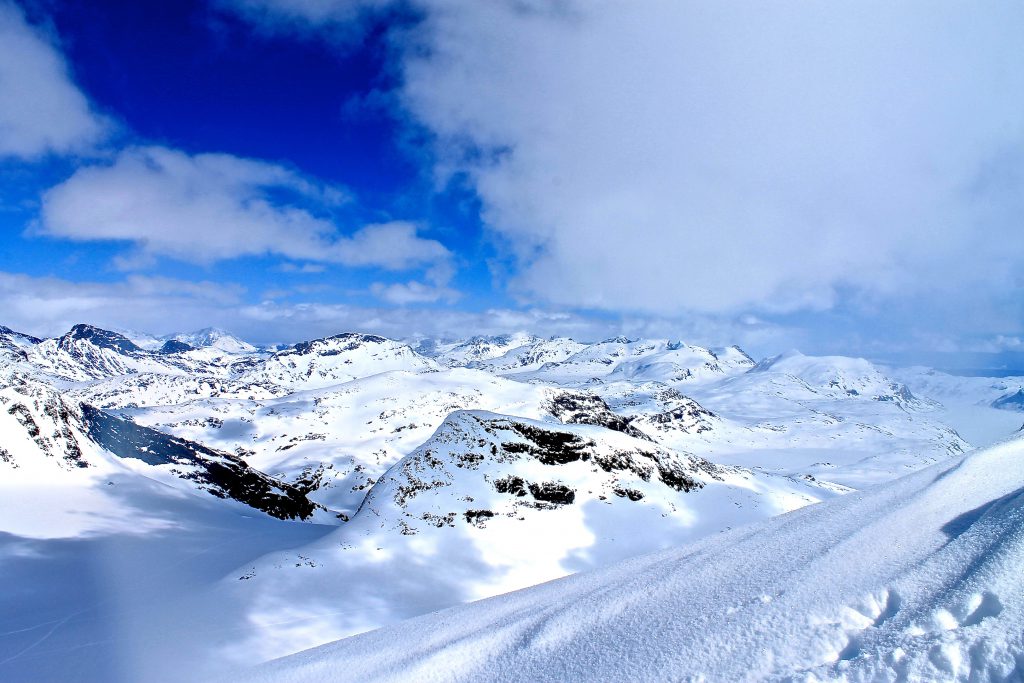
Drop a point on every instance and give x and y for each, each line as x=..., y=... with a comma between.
x=340, y=439
x=45, y=436
x=1012, y=401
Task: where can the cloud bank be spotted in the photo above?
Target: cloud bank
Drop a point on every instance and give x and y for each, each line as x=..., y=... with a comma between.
x=49, y=306
x=670, y=157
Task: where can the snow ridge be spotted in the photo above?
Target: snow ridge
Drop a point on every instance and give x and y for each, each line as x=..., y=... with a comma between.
x=916, y=580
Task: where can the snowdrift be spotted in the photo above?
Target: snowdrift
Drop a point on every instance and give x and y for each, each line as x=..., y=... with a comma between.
x=920, y=579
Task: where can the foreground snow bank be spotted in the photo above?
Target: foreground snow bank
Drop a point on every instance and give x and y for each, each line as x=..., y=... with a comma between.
x=921, y=579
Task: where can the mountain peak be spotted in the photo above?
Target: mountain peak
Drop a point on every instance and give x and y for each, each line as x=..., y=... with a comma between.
x=175, y=346
x=99, y=337
x=216, y=338
x=351, y=341
x=19, y=336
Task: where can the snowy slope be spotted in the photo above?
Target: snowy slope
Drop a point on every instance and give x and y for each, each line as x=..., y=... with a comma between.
x=475, y=349
x=115, y=578
x=641, y=360
x=492, y=503
x=147, y=389
x=335, y=360
x=840, y=419
x=967, y=402
x=916, y=580
x=47, y=438
x=531, y=356
x=213, y=338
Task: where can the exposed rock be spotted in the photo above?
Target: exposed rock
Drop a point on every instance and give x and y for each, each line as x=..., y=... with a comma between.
x=587, y=409
x=224, y=475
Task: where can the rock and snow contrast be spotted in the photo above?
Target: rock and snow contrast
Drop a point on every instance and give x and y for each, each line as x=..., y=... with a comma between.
x=915, y=580
x=195, y=493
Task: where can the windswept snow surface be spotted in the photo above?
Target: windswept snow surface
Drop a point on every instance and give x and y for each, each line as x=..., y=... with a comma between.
x=921, y=579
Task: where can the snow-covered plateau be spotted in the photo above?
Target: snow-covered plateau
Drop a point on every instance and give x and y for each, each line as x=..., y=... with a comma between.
x=192, y=507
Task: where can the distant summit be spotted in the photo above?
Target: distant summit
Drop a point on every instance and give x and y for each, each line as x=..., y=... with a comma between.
x=212, y=337
x=1012, y=401
x=101, y=338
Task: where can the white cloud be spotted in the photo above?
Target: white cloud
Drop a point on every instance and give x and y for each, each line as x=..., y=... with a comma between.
x=669, y=156
x=393, y=245
x=41, y=109
x=304, y=268
x=49, y=306
x=210, y=207
x=413, y=292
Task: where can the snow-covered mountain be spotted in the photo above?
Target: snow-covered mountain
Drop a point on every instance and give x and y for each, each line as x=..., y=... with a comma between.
x=531, y=356
x=1011, y=401
x=46, y=435
x=212, y=338
x=641, y=360
x=482, y=468
x=838, y=377
x=919, y=580
x=476, y=349
x=335, y=360
x=434, y=473
x=14, y=344
x=88, y=353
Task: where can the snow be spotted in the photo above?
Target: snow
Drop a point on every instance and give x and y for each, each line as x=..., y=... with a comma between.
x=919, y=579
x=123, y=564
x=117, y=580
x=213, y=338
x=476, y=349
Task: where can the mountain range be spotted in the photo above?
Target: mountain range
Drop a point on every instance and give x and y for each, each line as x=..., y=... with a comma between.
x=395, y=478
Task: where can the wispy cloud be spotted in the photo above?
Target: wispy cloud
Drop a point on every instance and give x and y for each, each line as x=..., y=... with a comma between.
x=205, y=208
x=42, y=111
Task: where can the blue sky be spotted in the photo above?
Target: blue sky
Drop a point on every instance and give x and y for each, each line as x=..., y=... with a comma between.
x=842, y=178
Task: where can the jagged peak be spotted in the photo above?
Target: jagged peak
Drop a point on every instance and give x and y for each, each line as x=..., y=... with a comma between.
x=8, y=332
x=214, y=337
x=98, y=337
x=175, y=346
x=352, y=340
x=621, y=339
